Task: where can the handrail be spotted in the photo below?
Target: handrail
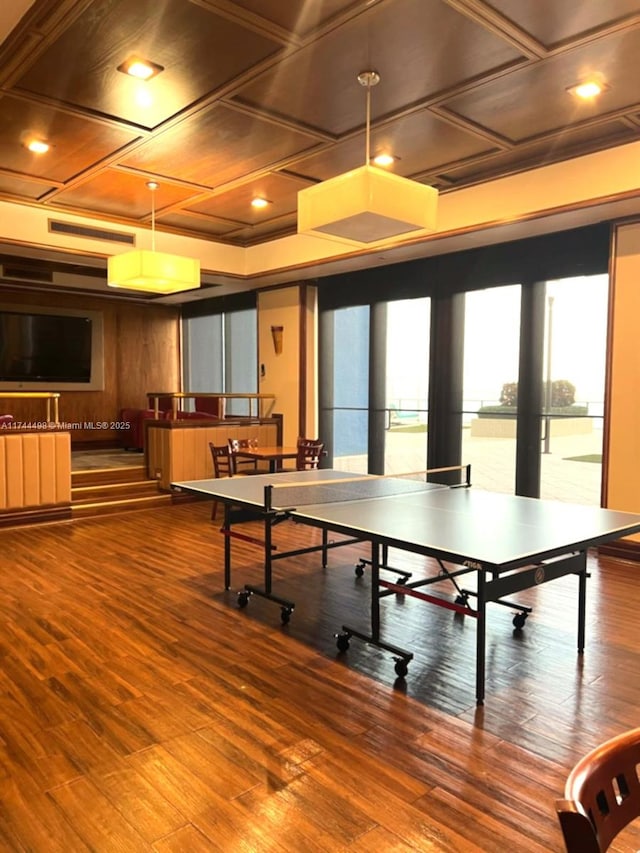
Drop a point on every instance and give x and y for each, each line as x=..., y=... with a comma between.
x=176, y=396
x=37, y=395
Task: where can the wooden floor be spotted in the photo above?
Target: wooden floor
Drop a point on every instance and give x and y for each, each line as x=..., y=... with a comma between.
x=141, y=710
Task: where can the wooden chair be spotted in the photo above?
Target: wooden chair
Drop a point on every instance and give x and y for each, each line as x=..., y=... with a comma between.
x=222, y=467
x=601, y=795
x=243, y=466
x=309, y=453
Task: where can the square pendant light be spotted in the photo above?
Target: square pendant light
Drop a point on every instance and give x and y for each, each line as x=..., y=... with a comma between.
x=153, y=272
x=367, y=205
x=150, y=271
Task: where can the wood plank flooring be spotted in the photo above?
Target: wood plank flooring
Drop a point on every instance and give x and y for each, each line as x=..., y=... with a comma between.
x=141, y=710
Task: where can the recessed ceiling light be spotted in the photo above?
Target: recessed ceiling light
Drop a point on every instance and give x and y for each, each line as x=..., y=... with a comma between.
x=259, y=203
x=38, y=146
x=588, y=89
x=141, y=69
x=384, y=159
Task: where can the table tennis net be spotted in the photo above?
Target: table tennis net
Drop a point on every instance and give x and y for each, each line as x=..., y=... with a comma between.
x=287, y=497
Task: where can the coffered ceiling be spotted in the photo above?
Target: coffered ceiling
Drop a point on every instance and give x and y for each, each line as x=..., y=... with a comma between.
x=259, y=98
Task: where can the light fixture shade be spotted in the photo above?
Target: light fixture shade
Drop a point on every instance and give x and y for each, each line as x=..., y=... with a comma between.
x=153, y=272
x=365, y=206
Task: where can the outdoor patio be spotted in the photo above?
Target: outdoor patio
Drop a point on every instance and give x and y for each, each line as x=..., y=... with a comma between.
x=567, y=472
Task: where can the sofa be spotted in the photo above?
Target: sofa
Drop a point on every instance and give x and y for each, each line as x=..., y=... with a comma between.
x=132, y=432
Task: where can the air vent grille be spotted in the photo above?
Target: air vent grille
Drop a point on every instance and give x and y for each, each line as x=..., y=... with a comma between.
x=70, y=228
x=17, y=272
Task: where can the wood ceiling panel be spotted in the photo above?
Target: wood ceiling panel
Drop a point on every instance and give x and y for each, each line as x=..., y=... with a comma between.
x=569, y=144
x=217, y=146
x=280, y=190
x=18, y=187
x=554, y=21
x=199, y=50
x=535, y=100
x=419, y=47
x=299, y=16
x=241, y=110
x=118, y=193
x=201, y=226
x=264, y=231
x=420, y=141
x=76, y=143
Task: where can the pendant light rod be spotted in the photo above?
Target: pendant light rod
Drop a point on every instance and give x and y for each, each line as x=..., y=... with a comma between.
x=154, y=272
x=153, y=186
x=368, y=79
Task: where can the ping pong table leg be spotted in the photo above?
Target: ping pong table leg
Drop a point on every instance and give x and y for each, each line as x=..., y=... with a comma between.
x=401, y=656
x=268, y=569
x=375, y=587
x=481, y=631
x=227, y=547
x=582, y=603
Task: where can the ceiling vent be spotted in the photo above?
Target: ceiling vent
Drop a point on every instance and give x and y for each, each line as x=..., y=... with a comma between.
x=20, y=272
x=70, y=229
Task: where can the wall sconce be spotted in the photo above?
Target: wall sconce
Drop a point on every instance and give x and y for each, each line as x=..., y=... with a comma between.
x=276, y=334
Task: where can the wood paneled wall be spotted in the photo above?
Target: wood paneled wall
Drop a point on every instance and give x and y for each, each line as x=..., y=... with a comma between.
x=141, y=354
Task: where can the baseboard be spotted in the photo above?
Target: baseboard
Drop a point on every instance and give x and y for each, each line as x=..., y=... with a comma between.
x=15, y=518
x=624, y=549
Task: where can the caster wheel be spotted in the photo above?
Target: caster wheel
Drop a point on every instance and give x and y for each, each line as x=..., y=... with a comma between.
x=401, y=667
x=519, y=619
x=285, y=615
x=359, y=570
x=243, y=599
x=342, y=642
x=462, y=600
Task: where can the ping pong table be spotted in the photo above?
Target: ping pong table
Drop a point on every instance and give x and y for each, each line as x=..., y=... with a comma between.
x=508, y=543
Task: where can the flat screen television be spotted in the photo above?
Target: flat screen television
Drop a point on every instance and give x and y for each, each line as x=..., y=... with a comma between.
x=44, y=349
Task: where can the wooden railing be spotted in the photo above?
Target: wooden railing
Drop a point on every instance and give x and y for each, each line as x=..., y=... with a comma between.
x=49, y=396
x=177, y=397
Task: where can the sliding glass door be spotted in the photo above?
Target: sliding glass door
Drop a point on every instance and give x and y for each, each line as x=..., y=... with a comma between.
x=407, y=385
x=574, y=382
x=491, y=358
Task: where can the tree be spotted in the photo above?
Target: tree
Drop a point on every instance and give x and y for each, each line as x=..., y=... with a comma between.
x=563, y=393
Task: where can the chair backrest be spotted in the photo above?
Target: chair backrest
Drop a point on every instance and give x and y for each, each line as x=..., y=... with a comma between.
x=601, y=795
x=240, y=465
x=222, y=460
x=241, y=443
x=309, y=453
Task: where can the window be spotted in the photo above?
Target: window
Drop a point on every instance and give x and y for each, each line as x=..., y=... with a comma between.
x=220, y=355
x=350, y=383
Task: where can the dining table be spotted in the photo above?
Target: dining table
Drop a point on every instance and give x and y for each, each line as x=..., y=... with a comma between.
x=273, y=454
